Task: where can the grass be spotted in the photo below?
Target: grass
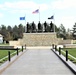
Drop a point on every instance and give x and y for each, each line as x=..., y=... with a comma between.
x=4, y=53
x=74, y=43
x=71, y=51
x=4, y=44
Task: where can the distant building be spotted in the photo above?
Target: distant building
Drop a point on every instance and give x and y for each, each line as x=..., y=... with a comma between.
x=1, y=38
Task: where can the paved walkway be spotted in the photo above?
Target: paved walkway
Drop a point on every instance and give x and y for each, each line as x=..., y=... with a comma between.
x=38, y=62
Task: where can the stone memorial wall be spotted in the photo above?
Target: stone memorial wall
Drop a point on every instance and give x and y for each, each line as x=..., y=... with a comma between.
x=39, y=39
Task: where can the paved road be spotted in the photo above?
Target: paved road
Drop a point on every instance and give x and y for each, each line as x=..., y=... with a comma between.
x=38, y=62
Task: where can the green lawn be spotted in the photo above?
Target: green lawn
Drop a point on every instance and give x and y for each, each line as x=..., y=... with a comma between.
x=4, y=44
x=71, y=51
x=4, y=53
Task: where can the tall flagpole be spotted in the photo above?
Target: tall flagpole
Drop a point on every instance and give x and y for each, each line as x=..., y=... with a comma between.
x=39, y=13
x=25, y=24
x=54, y=24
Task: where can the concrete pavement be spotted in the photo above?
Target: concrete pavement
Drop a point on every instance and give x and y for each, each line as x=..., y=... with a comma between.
x=38, y=62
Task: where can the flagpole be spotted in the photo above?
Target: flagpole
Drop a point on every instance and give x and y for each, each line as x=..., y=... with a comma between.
x=54, y=23
x=39, y=13
x=52, y=17
x=25, y=24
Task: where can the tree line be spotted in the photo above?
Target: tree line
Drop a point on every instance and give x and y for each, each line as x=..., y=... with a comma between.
x=16, y=32
x=12, y=33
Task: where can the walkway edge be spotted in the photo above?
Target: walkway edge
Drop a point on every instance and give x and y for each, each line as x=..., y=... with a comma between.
x=68, y=63
x=7, y=63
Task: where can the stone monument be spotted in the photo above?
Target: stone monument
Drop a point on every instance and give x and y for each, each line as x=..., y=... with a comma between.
x=36, y=37
x=28, y=28
x=45, y=26
x=51, y=27
x=33, y=28
x=39, y=27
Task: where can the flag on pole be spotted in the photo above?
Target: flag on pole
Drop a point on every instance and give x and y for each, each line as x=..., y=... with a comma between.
x=22, y=18
x=52, y=17
x=36, y=11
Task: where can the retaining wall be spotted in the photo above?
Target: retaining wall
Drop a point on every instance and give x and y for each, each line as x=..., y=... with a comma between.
x=39, y=39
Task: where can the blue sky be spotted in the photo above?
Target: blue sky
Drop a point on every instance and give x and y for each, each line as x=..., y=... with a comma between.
x=64, y=11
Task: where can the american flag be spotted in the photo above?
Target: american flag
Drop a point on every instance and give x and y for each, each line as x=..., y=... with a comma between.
x=36, y=11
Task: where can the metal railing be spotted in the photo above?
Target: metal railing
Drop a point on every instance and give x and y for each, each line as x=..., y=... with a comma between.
x=65, y=53
x=9, y=55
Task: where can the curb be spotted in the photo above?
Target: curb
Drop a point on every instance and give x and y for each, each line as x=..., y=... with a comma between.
x=7, y=63
x=68, y=63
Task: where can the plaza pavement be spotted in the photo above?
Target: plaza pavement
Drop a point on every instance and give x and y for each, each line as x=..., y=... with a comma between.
x=36, y=61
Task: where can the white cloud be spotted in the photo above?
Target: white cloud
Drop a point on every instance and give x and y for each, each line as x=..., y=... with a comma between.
x=1, y=6
x=64, y=4
x=67, y=21
x=1, y=15
x=22, y=5
x=43, y=7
